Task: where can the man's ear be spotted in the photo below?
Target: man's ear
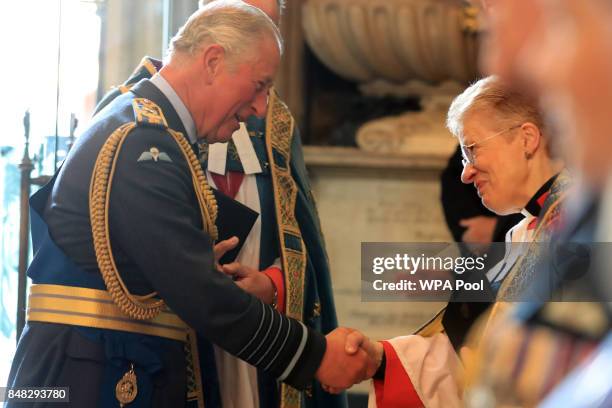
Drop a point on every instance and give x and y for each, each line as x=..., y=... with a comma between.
x=213, y=61
x=531, y=137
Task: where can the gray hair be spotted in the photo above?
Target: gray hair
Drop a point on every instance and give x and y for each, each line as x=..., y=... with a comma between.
x=498, y=99
x=279, y=3
x=234, y=25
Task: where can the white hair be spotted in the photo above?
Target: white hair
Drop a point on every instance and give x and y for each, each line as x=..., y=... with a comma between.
x=234, y=25
x=279, y=3
x=498, y=99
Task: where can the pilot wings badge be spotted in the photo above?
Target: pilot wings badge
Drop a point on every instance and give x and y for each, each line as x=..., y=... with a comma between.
x=154, y=154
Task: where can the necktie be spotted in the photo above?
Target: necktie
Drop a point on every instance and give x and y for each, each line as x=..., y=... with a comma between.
x=229, y=183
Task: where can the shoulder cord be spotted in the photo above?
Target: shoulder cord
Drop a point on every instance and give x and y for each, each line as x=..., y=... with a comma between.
x=137, y=307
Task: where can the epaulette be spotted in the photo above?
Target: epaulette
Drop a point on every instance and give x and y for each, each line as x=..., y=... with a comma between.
x=147, y=113
x=145, y=70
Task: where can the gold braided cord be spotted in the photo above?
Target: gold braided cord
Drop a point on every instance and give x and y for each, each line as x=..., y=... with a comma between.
x=137, y=307
x=99, y=194
x=204, y=193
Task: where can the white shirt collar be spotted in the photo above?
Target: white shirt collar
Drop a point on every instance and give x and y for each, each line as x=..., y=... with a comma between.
x=160, y=82
x=217, y=153
x=526, y=213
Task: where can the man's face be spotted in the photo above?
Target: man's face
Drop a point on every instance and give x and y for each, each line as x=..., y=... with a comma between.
x=239, y=92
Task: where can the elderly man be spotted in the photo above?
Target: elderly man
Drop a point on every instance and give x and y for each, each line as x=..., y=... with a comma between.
x=244, y=169
x=124, y=275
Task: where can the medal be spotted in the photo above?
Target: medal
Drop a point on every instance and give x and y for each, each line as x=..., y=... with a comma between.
x=127, y=387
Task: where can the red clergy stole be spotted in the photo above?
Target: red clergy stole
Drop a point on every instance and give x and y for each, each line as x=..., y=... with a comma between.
x=228, y=184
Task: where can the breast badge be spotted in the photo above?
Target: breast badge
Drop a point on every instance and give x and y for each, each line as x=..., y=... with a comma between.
x=154, y=154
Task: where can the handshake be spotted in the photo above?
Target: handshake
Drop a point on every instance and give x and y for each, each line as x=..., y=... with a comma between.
x=350, y=358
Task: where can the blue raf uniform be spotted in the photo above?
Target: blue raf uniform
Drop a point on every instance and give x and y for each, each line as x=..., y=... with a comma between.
x=309, y=296
x=128, y=337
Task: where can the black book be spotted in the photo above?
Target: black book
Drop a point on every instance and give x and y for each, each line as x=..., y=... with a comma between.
x=233, y=219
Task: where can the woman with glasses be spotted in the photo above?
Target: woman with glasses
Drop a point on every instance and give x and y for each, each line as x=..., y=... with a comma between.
x=507, y=157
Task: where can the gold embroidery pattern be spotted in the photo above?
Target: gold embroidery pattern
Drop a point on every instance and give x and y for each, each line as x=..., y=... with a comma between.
x=148, y=65
x=295, y=297
x=194, y=374
x=279, y=132
x=522, y=274
x=232, y=151
x=147, y=111
x=202, y=152
x=290, y=397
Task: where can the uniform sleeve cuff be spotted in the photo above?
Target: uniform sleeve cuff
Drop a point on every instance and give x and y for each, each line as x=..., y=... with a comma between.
x=308, y=363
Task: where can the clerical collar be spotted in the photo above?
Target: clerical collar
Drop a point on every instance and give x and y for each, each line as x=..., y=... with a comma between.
x=534, y=206
x=217, y=153
x=178, y=105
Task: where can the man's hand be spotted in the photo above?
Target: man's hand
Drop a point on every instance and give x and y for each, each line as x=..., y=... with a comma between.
x=222, y=247
x=356, y=341
x=251, y=280
x=374, y=349
x=340, y=370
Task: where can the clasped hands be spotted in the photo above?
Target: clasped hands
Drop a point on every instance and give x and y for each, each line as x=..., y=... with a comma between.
x=350, y=357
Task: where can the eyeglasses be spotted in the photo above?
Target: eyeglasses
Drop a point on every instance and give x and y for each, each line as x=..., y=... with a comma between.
x=467, y=151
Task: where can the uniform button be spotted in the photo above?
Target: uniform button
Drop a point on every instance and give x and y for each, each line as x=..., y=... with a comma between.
x=308, y=391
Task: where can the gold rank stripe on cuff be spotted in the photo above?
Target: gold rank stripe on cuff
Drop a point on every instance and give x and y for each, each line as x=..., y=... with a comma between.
x=95, y=308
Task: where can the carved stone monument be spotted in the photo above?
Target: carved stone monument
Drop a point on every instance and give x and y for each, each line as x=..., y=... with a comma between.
x=403, y=48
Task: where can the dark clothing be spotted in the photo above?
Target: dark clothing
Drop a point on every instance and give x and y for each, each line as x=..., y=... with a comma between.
x=159, y=245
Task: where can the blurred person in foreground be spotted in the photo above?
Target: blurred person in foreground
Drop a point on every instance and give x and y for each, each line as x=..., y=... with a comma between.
x=559, y=353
